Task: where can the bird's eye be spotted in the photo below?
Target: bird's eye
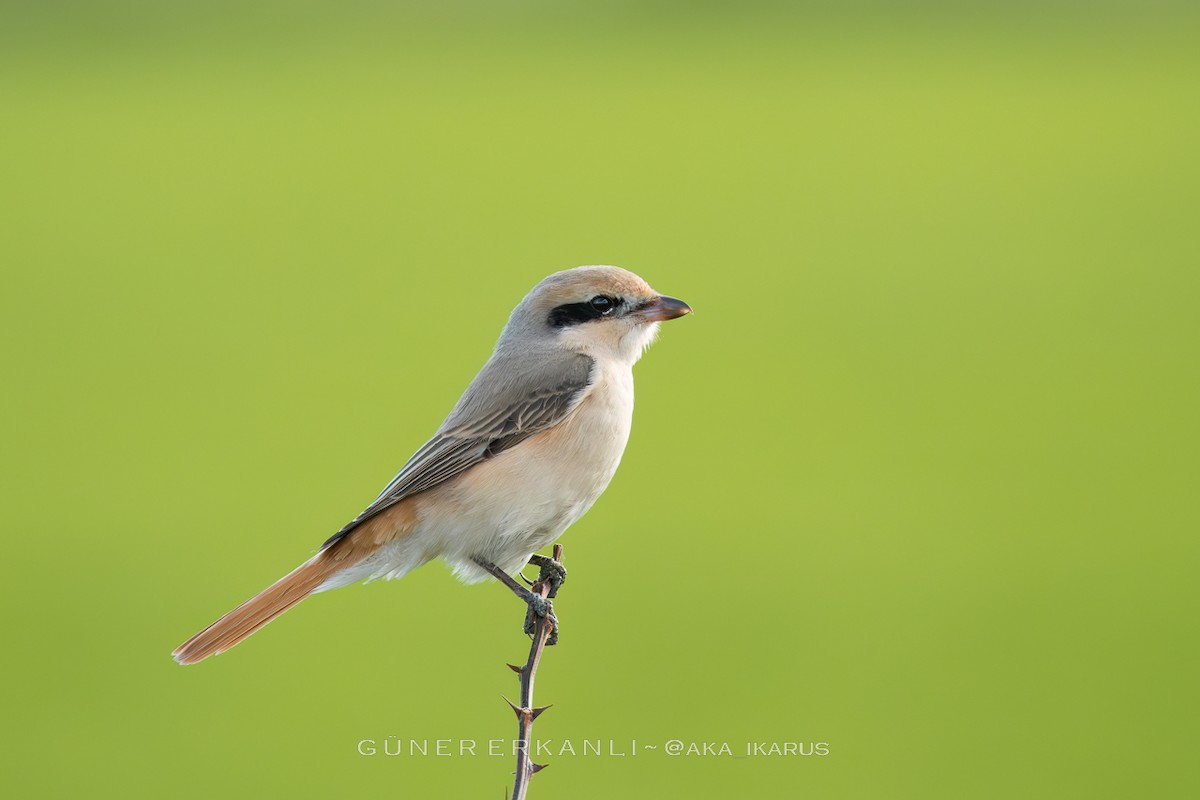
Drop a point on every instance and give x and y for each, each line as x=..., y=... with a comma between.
x=598, y=307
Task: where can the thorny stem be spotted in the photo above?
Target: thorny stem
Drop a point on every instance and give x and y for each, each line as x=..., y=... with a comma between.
x=526, y=712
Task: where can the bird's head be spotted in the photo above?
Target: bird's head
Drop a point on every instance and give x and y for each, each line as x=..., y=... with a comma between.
x=603, y=312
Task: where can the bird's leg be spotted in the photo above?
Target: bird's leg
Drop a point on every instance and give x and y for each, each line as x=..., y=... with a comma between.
x=551, y=573
x=539, y=607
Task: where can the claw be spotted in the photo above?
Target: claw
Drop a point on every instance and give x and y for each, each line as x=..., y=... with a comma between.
x=550, y=572
x=541, y=608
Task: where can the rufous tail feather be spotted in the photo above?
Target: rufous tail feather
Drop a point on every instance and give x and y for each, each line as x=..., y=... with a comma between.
x=258, y=610
x=333, y=561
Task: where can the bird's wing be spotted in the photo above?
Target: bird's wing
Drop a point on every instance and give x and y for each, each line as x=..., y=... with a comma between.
x=500, y=409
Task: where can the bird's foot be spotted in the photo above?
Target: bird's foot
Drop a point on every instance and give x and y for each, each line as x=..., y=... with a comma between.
x=540, y=608
x=551, y=572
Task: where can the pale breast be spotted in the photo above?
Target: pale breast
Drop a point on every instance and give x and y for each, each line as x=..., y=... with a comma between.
x=524, y=498
x=587, y=448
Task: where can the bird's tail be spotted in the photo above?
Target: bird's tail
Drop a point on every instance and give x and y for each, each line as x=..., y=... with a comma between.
x=258, y=610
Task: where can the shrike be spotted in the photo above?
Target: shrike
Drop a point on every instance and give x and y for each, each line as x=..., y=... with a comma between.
x=528, y=449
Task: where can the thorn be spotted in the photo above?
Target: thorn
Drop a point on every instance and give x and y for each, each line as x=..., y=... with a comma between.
x=520, y=712
x=514, y=668
x=536, y=768
x=538, y=711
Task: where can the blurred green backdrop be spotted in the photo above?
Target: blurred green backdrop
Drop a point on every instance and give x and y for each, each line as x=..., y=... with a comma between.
x=917, y=480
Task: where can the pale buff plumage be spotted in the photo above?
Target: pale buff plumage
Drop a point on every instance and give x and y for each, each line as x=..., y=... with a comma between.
x=531, y=445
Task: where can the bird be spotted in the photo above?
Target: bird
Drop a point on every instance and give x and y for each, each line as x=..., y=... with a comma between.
x=526, y=451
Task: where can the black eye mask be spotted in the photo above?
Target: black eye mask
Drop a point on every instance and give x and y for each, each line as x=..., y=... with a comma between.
x=575, y=313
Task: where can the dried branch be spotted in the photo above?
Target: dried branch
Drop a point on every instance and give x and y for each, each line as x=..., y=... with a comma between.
x=526, y=712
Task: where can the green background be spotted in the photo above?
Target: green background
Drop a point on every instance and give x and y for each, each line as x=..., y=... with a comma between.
x=917, y=480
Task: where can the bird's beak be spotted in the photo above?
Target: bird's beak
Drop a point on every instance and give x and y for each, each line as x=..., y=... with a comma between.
x=663, y=308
